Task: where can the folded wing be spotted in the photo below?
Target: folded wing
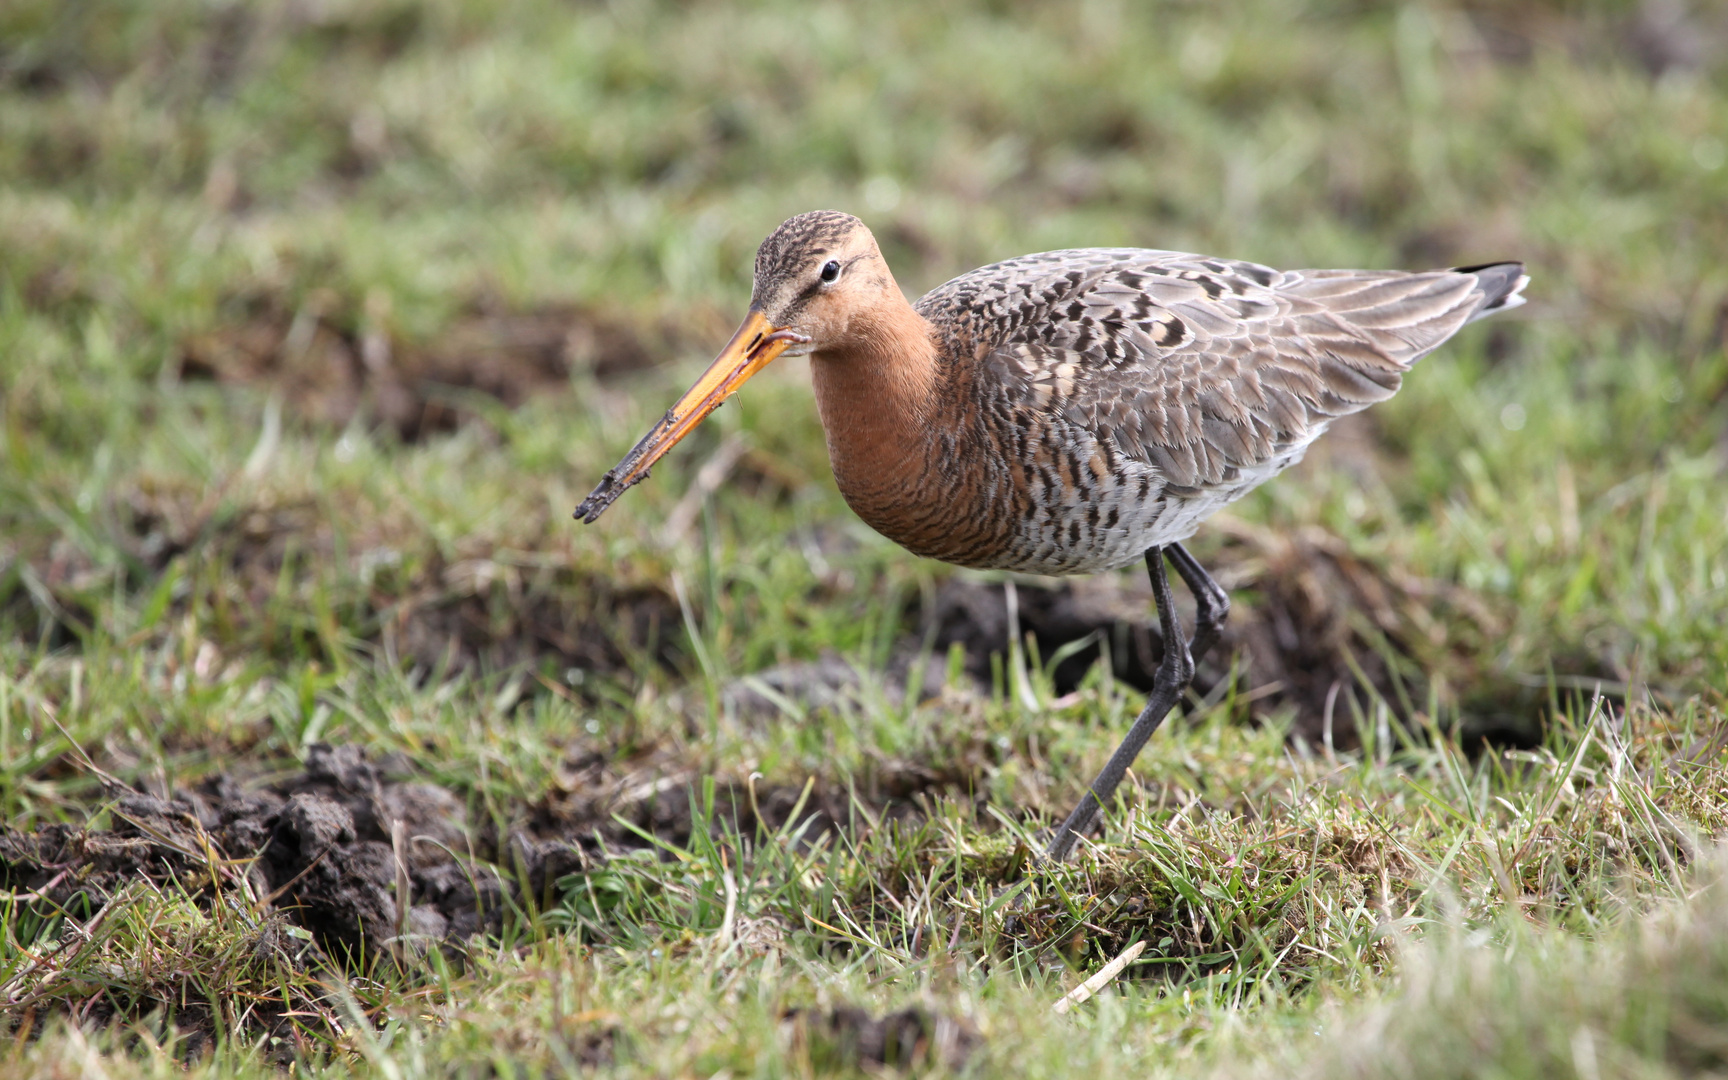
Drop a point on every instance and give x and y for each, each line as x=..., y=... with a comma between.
x=1202, y=367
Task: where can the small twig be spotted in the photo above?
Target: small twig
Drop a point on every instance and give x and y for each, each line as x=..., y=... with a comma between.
x=108, y=779
x=399, y=945
x=399, y=848
x=74, y=941
x=728, y=925
x=38, y=893
x=291, y=882
x=558, y=688
x=1097, y=982
x=709, y=478
x=1022, y=679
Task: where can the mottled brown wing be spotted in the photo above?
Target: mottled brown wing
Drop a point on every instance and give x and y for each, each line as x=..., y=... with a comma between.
x=1199, y=366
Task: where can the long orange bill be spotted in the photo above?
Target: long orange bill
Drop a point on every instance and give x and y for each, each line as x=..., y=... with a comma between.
x=755, y=344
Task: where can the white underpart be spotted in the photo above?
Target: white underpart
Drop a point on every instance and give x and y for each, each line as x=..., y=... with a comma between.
x=1141, y=524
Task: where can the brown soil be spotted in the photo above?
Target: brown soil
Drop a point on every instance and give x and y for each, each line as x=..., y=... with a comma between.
x=332, y=360
x=475, y=607
x=327, y=848
x=322, y=844
x=318, y=847
x=652, y=791
x=910, y=1039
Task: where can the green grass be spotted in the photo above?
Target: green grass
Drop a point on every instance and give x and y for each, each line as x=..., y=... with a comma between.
x=219, y=545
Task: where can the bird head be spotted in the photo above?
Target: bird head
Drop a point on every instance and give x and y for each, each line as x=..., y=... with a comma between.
x=816, y=276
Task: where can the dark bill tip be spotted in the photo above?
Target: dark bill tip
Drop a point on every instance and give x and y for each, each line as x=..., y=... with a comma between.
x=605, y=493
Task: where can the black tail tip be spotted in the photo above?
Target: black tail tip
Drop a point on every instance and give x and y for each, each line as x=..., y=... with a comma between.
x=1502, y=285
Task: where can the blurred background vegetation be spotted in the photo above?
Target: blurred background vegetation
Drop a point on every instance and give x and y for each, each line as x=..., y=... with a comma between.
x=318, y=316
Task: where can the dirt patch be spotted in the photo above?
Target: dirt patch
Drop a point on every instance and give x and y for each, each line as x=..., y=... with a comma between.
x=600, y=800
x=333, y=871
x=473, y=607
x=1657, y=36
x=330, y=844
x=1087, y=617
x=910, y=1038
x=493, y=614
x=326, y=847
x=333, y=358
x=1313, y=627
x=1313, y=621
x=350, y=863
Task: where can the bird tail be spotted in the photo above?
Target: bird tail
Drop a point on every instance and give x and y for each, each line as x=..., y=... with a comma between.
x=1501, y=284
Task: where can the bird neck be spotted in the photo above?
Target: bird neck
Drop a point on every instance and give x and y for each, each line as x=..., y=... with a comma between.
x=878, y=394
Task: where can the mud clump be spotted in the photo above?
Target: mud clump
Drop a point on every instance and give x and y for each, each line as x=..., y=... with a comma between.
x=850, y=1037
x=348, y=864
x=330, y=848
x=489, y=614
x=339, y=846
x=302, y=884
x=1089, y=617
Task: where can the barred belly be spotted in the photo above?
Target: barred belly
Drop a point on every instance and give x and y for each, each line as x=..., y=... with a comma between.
x=1112, y=522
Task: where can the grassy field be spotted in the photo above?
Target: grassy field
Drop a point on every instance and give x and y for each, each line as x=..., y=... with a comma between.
x=329, y=743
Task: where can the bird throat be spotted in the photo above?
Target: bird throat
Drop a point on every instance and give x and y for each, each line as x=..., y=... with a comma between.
x=879, y=395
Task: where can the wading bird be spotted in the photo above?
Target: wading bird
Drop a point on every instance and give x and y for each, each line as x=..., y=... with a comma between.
x=1072, y=411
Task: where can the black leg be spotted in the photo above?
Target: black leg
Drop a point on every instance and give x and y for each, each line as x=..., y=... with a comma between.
x=1211, y=602
x=1168, y=684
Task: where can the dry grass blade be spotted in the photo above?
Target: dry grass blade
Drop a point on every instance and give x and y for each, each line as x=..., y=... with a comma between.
x=1091, y=986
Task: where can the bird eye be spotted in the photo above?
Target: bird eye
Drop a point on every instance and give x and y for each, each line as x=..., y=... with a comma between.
x=831, y=271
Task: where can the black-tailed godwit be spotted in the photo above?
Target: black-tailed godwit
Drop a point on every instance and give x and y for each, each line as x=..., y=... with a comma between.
x=1073, y=411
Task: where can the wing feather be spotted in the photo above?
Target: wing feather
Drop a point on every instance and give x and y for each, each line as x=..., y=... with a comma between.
x=1200, y=367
